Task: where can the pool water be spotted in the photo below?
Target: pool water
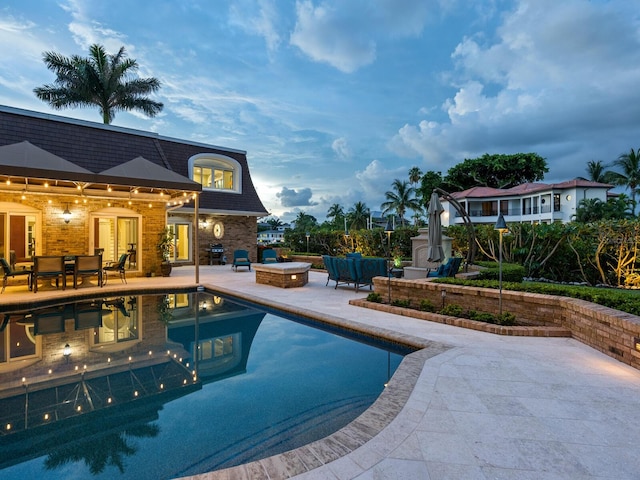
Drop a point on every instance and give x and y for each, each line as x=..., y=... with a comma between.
x=239, y=383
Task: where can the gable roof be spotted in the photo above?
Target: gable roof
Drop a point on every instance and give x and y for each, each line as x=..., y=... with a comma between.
x=147, y=174
x=99, y=148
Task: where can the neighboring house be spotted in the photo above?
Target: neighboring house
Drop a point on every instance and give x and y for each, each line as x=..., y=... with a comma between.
x=122, y=187
x=270, y=236
x=529, y=202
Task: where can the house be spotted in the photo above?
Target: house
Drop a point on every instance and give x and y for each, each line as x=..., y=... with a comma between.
x=120, y=187
x=528, y=202
x=266, y=237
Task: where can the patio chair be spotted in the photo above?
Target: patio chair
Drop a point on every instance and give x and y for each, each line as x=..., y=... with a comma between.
x=48, y=267
x=241, y=259
x=86, y=266
x=12, y=273
x=448, y=269
x=116, y=267
x=269, y=256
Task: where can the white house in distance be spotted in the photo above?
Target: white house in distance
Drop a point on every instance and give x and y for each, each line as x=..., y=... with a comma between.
x=528, y=202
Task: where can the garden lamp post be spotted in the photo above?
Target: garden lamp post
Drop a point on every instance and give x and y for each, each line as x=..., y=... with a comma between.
x=501, y=226
x=389, y=230
x=307, y=235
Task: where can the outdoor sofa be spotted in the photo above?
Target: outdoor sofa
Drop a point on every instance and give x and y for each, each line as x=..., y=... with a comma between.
x=358, y=271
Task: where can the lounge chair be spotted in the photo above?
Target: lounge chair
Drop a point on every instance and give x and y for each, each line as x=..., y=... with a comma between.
x=269, y=256
x=448, y=269
x=241, y=259
x=12, y=273
x=48, y=267
x=86, y=266
x=116, y=267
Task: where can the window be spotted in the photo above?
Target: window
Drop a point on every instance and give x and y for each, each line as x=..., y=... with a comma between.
x=181, y=242
x=17, y=339
x=216, y=172
x=19, y=231
x=116, y=231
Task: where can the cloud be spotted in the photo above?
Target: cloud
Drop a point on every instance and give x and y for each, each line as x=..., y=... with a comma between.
x=263, y=23
x=556, y=79
x=295, y=198
x=341, y=148
x=376, y=179
x=87, y=32
x=345, y=34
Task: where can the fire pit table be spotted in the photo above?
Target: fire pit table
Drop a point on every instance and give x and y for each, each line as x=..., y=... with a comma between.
x=283, y=275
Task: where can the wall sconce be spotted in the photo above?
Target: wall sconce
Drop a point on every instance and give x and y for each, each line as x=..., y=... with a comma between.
x=66, y=215
x=294, y=277
x=66, y=352
x=636, y=343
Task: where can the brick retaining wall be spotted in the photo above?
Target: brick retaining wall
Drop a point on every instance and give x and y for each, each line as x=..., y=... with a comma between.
x=610, y=331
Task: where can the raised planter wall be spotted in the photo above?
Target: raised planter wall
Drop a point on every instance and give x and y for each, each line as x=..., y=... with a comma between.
x=610, y=331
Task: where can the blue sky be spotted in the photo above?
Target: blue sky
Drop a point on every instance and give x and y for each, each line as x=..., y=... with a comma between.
x=334, y=99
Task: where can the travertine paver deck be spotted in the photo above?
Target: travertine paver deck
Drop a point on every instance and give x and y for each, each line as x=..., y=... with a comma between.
x=489, y=407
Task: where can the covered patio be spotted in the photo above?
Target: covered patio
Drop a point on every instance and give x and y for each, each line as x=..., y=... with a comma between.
x=50, y=206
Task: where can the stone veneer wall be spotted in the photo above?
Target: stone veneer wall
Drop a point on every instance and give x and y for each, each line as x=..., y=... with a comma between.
x=610, y=331
x=59, y=238
x=240, y=233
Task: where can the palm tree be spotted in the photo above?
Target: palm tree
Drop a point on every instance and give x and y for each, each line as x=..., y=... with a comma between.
x=400, y=200
x=629, y=163
x=415, y=174
x=100, y=80
x=596, y=170
x=358, y=216
x=336, y=214
x=274, y=223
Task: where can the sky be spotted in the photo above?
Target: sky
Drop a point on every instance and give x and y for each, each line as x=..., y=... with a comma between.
x=334, y=99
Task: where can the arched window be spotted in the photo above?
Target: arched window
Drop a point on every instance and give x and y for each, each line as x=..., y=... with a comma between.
x=216, y=172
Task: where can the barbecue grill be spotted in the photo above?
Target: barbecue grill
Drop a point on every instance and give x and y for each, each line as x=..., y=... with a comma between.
x=216, y=254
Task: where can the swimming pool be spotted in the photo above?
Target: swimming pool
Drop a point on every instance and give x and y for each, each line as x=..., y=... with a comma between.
x=176, y=384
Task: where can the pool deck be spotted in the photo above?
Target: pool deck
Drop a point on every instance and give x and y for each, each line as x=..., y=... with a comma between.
x=483, y=407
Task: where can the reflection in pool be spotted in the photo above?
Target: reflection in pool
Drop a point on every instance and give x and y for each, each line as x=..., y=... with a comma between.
x=160, y=386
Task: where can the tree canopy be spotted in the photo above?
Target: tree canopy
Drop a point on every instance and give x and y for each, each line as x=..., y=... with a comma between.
x=497, y=171
x=102, y=80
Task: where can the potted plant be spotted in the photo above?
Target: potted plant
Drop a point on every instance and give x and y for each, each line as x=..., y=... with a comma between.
x=165, y=247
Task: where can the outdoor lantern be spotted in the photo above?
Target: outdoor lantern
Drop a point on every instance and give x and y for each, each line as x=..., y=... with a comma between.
x=307, y=235
x=66, y=351
x=66, y=215
x=501, y=226
x=388, y=229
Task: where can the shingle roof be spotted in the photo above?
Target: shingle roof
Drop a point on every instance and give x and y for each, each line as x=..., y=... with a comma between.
x=97, y=147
